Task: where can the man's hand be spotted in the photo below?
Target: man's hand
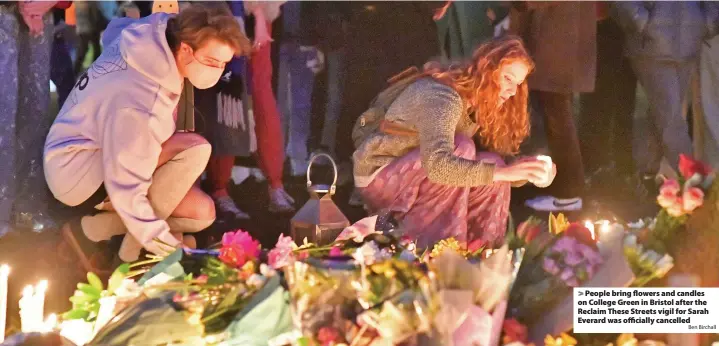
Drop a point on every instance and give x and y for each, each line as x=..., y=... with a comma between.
x=32, y=13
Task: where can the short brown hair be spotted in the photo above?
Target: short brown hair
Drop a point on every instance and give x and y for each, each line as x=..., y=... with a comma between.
x=200, y=23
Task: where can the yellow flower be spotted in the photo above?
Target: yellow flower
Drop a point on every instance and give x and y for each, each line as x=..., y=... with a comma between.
x=627, y=340
x=447, y=244
x=558, y=224
x=562, y=340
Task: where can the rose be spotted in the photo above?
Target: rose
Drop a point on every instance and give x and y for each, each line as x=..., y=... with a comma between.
x=693, y=198
x=528, y=230
x=670, y=187
x=282, y=254
x=514, y=331
x=335, y=252
x=669, y=200
x=328, y=336
x=677, y=209
x=581, y=233
x=238, y=248
x=688, y=167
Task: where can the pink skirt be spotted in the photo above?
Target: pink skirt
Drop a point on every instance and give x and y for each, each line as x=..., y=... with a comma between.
x=429, y=212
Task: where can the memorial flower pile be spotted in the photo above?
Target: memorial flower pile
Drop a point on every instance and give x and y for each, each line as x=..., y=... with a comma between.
x=564, y=257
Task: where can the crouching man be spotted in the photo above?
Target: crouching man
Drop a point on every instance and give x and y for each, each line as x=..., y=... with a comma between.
x=112, y=156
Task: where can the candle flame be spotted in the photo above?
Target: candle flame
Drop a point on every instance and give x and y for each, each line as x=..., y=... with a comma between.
x=590, y=226
x=27, y=291
x=4, y=270
x=42, y=286
x=605, y=226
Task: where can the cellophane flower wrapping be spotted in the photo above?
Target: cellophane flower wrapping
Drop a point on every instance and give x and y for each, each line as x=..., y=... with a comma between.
x=568, y=262
x=472, y=298
x=321, y=295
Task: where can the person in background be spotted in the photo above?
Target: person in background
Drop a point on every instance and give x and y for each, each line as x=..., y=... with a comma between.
x=113, y=159
x=299, y=61
x=228, y=126
x=128, y=9
x=61, y=68
x=425, y=168
x=90, y=24
x=663, y=42
x=561, y=38
x=25, y=50
x=267, y=117
x=463, y=25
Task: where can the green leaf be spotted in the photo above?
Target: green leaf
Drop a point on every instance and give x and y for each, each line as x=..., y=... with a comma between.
x=116, y=279
x=75, y=315
x=303, y=341
x=82, y=299
x=95, y=281
x=89, y=290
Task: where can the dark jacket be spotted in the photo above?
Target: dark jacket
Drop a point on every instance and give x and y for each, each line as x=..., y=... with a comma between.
x=671, y=31
x=561, y=37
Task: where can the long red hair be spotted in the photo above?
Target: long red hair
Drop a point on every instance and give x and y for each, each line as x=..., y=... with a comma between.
x=502, y=128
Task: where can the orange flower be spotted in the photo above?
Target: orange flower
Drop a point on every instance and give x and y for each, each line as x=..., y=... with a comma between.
x=563, y=340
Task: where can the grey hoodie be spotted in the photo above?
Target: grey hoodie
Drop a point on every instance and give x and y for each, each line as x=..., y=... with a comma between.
x=111, y=128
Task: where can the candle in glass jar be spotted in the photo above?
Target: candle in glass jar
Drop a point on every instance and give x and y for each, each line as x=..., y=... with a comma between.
x=4, y=274
x=590, y=226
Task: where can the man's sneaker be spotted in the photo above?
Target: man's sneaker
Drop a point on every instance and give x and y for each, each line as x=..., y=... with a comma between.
x=549, y=203
x=226, y=207
x=281, y=201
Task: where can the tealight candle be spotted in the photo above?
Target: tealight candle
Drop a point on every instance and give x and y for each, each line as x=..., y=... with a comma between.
x=4, y=274
x=548, y=162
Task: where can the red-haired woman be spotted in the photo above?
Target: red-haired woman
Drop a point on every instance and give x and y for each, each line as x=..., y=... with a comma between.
x=435, y=181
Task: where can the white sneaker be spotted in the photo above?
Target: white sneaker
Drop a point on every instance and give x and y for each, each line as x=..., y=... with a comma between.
x=549, y=203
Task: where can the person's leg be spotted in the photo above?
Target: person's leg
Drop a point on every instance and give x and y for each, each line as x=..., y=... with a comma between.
x=33, y=124
x=563, y=143
x=96, y=47
x=61, y=72
x=182, y=160
x=219, y=173
x=9, y=27
x=83, y=44
x=666, y=86
x=283, y=87
x=335, y=77
x=301, y=83
x=487, y=210
x=268, y=129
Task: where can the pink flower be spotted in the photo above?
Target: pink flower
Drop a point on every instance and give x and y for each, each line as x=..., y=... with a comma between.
x=566, y=274
x=238, y=248
x=591, y=255
x=359, y=230
x=669, y=200
x=677, y=209
x=328, y=336
x=335, y=251
x=529, y=229
x=202, y=278
x=282, y=254
x=693, y=198
x=670, y=187
x=688, y=167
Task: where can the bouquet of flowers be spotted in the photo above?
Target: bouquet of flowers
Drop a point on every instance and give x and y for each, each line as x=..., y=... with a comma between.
x=569, y=258
x=647, y=264
x=679, y=198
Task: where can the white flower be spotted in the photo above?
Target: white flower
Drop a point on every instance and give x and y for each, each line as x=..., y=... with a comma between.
x=665, y=264
x=267, y=271
x=256, y=280
x=367, y=253
x=128, y=289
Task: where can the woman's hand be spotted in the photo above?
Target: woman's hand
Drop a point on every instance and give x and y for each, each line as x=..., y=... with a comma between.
x=529, y=169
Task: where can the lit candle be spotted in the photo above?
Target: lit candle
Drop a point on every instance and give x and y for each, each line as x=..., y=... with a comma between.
x=50, y=323
x=26, y=310
x=605, y=228
x=548, y=162
x=4, y=273
x=39, y=305
x=590, y=226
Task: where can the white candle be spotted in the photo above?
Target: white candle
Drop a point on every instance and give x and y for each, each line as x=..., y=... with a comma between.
x=4, y=273
x=605, y=228
x=39, y=306
x=590, y=226
x=548, y=162
x=50, y=323
x=26, y=310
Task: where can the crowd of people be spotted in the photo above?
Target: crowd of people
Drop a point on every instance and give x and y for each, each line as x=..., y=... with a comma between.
x=425, y=105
